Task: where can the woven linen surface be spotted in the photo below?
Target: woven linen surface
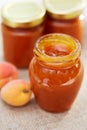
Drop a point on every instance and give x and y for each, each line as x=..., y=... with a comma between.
x=32, y=117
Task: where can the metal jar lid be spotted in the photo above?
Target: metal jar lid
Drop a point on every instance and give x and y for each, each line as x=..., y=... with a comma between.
x=23, y=14
x=64, y=9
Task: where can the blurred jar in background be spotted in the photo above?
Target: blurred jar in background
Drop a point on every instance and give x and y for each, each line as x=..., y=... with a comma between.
x=65, y=17
x=22, y=25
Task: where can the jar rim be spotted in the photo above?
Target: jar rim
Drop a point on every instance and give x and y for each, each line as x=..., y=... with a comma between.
x=21, y=14
x=61, y=38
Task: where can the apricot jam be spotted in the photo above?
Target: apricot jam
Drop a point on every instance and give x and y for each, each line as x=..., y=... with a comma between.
x=21, y=25
x=56, y=72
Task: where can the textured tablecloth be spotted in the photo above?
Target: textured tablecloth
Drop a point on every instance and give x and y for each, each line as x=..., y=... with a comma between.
x=32, y=117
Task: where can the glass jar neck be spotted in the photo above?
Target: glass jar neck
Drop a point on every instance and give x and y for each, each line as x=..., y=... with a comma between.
x=65, y=20
x=57, y=49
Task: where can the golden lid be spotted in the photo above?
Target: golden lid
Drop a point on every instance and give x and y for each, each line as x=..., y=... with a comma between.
x=64, y=9
x=23, y=14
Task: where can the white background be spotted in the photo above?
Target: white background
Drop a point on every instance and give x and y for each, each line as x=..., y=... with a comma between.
x=2, y=2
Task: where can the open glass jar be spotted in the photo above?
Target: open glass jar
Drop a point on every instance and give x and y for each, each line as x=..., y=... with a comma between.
x=65, y=17
x=22, y=25
x=56, y=72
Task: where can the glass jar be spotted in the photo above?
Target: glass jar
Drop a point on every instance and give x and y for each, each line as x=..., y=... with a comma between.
x=65, y=17
x=22, y=25
x=56, y=72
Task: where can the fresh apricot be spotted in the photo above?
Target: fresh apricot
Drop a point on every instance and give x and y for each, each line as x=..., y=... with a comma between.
x=16, y=92
x=8, y=72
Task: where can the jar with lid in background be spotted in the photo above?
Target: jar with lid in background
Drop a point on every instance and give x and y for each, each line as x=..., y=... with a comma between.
x=22, y=25
x=56, y=72
x=65, y=17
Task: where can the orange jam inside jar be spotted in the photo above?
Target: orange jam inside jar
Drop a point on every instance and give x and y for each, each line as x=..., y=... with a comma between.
x=56, y=72
x=65, y=17
x=22, y=25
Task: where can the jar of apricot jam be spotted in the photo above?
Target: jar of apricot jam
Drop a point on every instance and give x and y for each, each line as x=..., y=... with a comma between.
x=22, y=25
x=56, y=72
x=65, y=17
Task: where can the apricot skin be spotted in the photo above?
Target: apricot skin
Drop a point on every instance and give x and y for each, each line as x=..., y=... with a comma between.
x=8, y=72
x=16, y=93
